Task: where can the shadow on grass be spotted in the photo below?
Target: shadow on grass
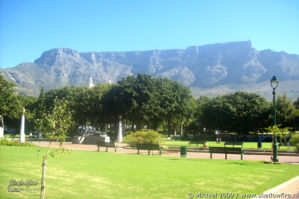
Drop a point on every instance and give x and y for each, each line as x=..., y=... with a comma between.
x=174, y=159
x=239, y=163
x=185, y=159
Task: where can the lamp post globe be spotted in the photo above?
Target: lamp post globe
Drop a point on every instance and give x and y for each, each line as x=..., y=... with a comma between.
x=274, y=84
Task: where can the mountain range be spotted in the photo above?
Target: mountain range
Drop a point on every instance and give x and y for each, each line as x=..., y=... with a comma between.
x=208, y=70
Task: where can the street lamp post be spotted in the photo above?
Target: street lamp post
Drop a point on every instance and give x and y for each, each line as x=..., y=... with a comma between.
x=274, y=84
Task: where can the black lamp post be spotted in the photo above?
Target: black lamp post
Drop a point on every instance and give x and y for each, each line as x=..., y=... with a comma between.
x=274, y=84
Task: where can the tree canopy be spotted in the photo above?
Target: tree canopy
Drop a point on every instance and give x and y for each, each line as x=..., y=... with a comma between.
x=240, y=112
x=149, y=102
x=145, y=100
x=10, y=106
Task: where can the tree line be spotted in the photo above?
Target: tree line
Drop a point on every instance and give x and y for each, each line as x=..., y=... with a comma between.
x=144, y=101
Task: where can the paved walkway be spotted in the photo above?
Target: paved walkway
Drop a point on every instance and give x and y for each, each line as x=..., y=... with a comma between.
x=121, y=149
x=289, y=189
x=286, y=190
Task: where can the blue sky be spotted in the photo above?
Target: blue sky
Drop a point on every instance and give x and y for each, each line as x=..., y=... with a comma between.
x=30, y=27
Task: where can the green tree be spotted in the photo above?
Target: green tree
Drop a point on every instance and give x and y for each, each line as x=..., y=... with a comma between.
x=93, y=106
x=112, y=107
x=41, y=102
x=46, y=101
x=54, y=126
x=284, y=110
x=145, y=100
x=176, y=103
x=296, y=103
x=136, y=95
x=28, y=102
x=141, y=100
x=135, y=98
x=9, y=104
x=39, y=108
x=294, y=117
x=196, y=124
x=240, y=112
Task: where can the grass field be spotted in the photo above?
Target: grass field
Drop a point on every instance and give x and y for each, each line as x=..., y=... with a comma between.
x=246, y=145
x=91, y=174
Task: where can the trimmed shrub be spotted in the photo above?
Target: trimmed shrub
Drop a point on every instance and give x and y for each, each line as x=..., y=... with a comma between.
x=143, y=137
x=295, y=141
x=14, y=143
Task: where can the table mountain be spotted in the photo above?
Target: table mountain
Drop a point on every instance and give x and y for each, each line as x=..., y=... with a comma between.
x=209, y=69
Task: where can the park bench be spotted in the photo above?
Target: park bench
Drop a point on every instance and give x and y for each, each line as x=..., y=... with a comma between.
x=197, y=142
x=106, y=144
x=226, y=150
x=149, y=147
x=233, y=143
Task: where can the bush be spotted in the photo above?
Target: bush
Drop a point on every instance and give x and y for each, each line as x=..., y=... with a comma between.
x=14, y=143
x=143, y=137
x=294, y=140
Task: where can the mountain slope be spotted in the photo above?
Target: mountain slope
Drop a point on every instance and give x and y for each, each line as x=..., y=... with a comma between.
x=232, y=65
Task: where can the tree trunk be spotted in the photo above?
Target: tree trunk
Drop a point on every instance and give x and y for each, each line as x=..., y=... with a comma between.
x=169, y=128
x=42, y=190
x=182, y=125
x=139, y=125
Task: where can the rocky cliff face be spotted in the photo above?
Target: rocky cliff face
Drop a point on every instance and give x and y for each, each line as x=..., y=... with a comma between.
x=200, y=67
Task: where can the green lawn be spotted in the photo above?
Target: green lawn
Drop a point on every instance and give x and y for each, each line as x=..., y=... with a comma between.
x=8, y=136
x=91, y=174
x=246, y=145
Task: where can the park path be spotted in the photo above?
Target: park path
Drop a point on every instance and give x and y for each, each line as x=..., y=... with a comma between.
x=287, y=190
x=121, y=149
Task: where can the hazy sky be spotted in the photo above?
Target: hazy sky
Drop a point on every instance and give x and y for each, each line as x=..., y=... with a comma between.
x=29, y=27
